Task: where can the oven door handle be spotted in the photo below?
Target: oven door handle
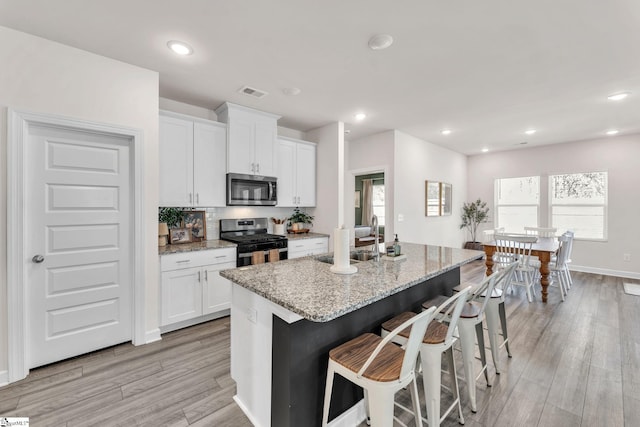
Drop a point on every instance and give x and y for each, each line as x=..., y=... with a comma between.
x=266, y=251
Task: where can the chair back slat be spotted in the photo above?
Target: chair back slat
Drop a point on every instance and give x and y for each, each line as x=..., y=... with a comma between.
x=541, y=231
x=563, y=250
x=451, y=309
x=514, y=247
x=418, y=324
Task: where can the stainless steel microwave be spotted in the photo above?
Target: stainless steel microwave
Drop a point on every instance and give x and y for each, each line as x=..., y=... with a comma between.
x=251, y=190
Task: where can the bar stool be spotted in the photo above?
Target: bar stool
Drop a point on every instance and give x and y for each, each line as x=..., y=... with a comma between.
x=381, y=368
x=471, y=318
x=438, y=339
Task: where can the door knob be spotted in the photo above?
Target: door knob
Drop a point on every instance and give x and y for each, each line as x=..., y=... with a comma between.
x=37, y=259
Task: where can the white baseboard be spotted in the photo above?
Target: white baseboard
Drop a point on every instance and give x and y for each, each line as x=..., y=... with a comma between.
x=351, y=417
x=605, y=271
x=246, y=411
x=152, y=336
x=4, y=378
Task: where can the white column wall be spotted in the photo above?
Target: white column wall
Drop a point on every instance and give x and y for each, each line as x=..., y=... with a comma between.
x=617, y=155
x=416, y=161
x=330, y=206
x=42, y=76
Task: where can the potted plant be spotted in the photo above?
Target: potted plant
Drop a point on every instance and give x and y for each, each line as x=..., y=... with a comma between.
x=474, y=214
x=167, y=218
x=298, y=219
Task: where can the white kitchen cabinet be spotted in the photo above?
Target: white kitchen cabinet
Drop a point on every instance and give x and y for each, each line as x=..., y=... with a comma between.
x=251, y=139
x=298, y=248
x=191, y=286
x=296, y=173
x=192, y=162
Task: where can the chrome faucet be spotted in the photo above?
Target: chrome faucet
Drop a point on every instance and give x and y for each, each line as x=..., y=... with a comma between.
x=376, y=233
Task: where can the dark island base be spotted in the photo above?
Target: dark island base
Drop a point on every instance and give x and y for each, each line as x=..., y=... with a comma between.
x=301, y=350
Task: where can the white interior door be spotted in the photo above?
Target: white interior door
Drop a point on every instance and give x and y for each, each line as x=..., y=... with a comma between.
x=79, y=232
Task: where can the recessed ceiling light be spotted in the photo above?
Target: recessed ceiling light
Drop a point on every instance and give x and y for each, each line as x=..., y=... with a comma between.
x=360, y=116
x=612, y=132
x=181, y=48
x=618, y=96
x=445, y=131
x=530, y=131
x=380, y=41
x=291, y=91
x=484, y=150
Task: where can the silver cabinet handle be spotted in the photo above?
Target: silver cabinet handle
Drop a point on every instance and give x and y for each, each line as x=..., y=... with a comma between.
x=258, y=168
x=206, y=275
x=37, y=259
x=183, y=261
x=197, y=198
x=253, y=167
x=190, y=198
x=198, y=276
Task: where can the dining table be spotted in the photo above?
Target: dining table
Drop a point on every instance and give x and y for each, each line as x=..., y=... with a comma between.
x=544, y=248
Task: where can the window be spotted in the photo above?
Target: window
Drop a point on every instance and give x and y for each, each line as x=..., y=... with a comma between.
x=579, y=202
x=378, y=203
x=517, y=202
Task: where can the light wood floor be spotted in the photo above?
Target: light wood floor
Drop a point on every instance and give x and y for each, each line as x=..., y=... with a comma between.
x=575, y=363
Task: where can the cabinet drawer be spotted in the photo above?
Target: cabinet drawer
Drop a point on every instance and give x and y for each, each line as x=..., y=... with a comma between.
x=197, y=258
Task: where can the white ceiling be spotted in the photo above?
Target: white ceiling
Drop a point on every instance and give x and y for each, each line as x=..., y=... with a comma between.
x=487, y=69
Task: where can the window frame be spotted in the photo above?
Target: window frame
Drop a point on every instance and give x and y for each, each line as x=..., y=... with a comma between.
x=605, y=206
x=497, y=205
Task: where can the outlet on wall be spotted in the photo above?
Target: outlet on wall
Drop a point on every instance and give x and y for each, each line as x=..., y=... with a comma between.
x=626, y=257
x=400, y=217
x=252, y=315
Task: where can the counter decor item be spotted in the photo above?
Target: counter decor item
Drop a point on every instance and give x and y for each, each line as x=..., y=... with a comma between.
x=298, y=220
x=167, y=218
x=196, y=222
x=279, y=226
x=163, y=234
x=474, y=214
x=341, y=261
x=179, y=235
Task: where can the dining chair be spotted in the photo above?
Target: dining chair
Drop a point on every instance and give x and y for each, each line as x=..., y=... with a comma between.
x=558, y=271
x=381, y=368
x=517, y=247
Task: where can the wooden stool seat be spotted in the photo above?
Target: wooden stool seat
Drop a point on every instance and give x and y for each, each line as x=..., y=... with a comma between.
x=435, y=334
x=436, y=301
x=354, y=353
x=496, y=293
x=471, y=310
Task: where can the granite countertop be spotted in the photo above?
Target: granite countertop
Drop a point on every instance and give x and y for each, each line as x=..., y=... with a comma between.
x=196, y=246
x=309, y=235
x=306, y=287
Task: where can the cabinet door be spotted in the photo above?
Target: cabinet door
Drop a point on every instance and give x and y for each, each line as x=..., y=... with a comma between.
x=181, y=295
x=318, y=246
x=286, y=173
x=176, y=162
x=265, y=149
x=217, y=289
x=209, y=164
x=240, y=148
x=306, y=174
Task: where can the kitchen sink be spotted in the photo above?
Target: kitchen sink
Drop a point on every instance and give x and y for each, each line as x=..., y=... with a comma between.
x=328, y=259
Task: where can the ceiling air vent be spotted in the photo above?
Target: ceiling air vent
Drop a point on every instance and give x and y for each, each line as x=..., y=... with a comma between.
x=251, y=91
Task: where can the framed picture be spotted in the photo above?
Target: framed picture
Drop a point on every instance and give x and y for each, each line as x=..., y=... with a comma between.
x=438, y=196
x=179, y=235
x=194, y=221
x=432, y=198
x=356, y=199
x=445, y=198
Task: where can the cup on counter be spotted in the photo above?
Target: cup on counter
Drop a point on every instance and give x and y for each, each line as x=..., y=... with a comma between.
x=279, y=229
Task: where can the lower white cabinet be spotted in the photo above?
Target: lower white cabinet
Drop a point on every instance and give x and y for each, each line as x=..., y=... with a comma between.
x=191, y=285
x=298, y=248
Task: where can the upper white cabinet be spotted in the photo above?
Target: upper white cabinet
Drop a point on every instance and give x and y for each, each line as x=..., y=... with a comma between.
x=296, y=173
x=192, y=161
x=251, y=139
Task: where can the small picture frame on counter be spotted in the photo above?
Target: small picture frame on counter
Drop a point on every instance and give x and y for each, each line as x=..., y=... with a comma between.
x=179, y=235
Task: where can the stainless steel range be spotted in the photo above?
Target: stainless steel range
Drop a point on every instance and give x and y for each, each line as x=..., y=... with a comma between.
x=250, y=234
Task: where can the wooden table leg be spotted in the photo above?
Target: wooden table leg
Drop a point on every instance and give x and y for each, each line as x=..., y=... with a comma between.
x=544, y=257
x=489, y=251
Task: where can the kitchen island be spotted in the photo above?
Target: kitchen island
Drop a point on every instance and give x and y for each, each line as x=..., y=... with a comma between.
x=286, y=316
